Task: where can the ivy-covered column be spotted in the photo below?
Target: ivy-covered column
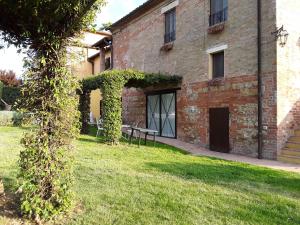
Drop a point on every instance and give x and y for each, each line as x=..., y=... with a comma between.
x=45, y=163
x=113, y=84
x=84, y=108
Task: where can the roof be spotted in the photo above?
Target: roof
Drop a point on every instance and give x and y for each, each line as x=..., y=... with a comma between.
x=136, y=13
x=103, y=32
x=103, y=42
x=91, y=58
x=94, y=56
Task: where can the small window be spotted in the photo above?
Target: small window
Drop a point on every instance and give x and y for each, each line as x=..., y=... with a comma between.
x=218, y=65
x=107, y=63
x=170, y=26
x=218, y=11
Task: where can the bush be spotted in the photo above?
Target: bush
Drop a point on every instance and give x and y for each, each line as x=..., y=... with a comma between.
x=11, y=94
x=1, y=89
x=10, y=118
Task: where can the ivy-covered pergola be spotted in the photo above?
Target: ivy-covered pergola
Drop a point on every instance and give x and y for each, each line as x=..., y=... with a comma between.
x=111, y=83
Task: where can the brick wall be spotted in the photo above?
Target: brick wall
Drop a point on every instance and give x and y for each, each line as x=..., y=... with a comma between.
x=137, y=45
x=134, y=107
x=239, y=94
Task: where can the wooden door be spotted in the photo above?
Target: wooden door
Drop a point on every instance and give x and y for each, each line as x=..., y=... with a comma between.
x=219, y=129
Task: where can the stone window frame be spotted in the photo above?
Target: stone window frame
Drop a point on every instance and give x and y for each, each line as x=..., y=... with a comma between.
x=211, y=52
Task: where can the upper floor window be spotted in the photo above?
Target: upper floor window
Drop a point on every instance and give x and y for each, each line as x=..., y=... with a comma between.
x=218, y=65
x=218, y=11
x=170, y=26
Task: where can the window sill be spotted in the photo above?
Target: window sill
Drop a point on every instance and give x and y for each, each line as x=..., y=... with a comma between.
x=167, y=46
x=216, y=82
x=217, y=28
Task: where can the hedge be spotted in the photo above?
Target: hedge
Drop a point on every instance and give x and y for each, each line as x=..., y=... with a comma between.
x=1, y=89
x=11, y=94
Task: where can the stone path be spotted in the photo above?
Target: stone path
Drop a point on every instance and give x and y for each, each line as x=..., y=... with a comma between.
x=200, y=151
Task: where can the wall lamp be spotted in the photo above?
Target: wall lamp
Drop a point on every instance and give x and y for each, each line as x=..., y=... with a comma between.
x=281, y=35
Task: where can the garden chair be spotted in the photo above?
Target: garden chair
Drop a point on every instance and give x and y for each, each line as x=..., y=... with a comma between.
x=99, y=127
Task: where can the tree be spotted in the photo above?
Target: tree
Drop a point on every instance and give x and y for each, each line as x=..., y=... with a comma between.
x=105, y=26
x=1, y=89
x=9, y=78
x=45, y=28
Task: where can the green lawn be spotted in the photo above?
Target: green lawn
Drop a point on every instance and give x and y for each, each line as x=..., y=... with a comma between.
x=131, y=185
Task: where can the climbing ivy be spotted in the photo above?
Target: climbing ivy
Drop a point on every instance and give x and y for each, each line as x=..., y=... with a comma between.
x=111, y=84
x=45, y=29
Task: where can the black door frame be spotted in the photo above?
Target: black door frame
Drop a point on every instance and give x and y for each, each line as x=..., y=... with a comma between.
x=160, y=93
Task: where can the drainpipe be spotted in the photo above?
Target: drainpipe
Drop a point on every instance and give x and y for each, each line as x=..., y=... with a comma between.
x=259, y=81
x=112, y=54
x=102, y=59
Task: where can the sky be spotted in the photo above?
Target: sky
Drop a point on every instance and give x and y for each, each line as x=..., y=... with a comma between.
x=113, y=11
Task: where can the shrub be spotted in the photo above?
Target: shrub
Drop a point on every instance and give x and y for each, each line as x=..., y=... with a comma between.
x=1, y=89
x=11, y=94
x=10, y=118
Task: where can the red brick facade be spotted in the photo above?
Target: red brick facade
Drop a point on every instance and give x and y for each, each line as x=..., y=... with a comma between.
x=138, y=44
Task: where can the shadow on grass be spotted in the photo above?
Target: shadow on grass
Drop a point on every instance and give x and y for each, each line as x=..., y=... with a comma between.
x=226, y=174
x=91, y=138
x=10, y=202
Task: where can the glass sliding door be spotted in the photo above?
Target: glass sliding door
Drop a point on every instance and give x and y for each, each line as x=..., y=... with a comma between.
x=168, y=115
x=161, y=114
x=153, y=112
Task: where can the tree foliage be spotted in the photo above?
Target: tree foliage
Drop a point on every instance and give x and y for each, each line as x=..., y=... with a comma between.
x=11, y=94
x=1, y=89
x=9, y=78
x=111, y=84
x=44, y=28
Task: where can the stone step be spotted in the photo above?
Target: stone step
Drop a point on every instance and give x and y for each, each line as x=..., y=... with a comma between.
x=289, y=159
x=290, y=152
x=297, y=133
x=295, y=139
x=293, y=145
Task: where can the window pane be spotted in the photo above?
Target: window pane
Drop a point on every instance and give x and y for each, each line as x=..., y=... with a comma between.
x=218, y=65
x=218, y=11
x=170, y=25
x=216, y=6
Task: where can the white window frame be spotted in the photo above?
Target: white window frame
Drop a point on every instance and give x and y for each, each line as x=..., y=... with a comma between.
x=210, y=52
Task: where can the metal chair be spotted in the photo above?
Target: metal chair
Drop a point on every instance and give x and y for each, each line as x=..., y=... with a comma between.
x=99, y=127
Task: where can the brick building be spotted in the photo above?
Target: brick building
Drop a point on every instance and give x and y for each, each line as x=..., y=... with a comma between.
x=229, y=53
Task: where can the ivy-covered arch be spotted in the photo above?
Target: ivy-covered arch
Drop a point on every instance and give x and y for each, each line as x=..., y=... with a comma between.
x=111, y=84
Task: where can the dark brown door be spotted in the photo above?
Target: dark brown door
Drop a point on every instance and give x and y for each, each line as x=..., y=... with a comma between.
x=219, y=129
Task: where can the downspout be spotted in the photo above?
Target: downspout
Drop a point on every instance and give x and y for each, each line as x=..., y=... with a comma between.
x=259, y=83
x=112, y=53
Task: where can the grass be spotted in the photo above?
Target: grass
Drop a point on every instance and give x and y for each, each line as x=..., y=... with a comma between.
x=131, y=185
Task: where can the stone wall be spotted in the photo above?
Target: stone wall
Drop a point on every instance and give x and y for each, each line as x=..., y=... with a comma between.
x=288, y=78
x=239, y=94
x=138, y=45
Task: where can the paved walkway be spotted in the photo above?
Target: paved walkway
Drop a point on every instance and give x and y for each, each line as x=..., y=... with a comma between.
x=200, y=151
